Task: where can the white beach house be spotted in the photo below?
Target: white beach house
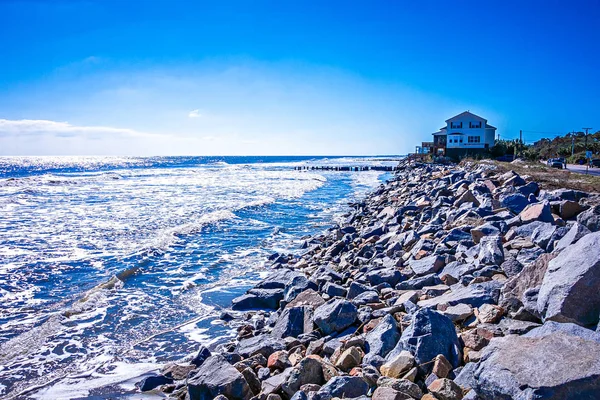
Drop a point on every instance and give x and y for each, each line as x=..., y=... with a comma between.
x=464, y=133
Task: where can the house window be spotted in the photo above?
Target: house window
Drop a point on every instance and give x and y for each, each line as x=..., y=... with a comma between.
x=475, y=124
x=474, y=139
x=457, y=125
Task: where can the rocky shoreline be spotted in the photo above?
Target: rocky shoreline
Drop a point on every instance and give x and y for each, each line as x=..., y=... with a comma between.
x=449, y=282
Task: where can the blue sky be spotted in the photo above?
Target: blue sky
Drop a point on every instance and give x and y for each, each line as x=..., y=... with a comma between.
x=279, y=77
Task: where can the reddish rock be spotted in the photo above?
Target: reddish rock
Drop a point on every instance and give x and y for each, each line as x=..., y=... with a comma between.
x=441, y=366
x=279, y=360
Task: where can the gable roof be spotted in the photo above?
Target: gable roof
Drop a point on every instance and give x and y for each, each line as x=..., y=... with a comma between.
x=442, y=131
x=462, y=114
x=490, y=127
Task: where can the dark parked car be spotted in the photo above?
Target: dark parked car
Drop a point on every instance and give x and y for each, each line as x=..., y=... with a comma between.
x=596, y=163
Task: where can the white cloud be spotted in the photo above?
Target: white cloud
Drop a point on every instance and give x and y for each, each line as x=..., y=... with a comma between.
x=35, y=127
x=194, y=114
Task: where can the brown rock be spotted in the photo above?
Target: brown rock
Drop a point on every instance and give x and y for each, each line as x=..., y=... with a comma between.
x=177, y=371
x=307, y=298
x=310, y=387
x=490, y=313
x=387, y=393
x=441, y=366
x=396, y=367
x=279, y=360
x=536, y=212
x=569, y=209
x=473, y=340
x=349, y=359
x=329, y=371
x=445, y=389
x=253, y=381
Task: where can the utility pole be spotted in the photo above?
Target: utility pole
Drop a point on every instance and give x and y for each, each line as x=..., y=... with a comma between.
x=572, y=143
x=586, y=150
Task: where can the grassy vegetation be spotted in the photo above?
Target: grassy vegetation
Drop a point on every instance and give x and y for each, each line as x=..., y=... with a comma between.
x=549, y=178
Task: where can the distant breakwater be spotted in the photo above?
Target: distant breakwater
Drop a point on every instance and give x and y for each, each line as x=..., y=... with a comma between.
x=448, y=283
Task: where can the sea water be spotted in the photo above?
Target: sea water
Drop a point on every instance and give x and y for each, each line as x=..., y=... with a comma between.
x=113, y=266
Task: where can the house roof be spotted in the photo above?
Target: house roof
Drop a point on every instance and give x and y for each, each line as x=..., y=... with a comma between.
x=489, y=126
x=466, y=113
x=440, y=133
x=456, y=133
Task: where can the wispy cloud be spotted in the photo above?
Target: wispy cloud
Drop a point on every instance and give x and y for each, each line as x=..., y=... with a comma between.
x=194, y=114
x=35, y=127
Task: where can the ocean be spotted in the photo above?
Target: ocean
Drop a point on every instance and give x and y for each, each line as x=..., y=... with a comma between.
x=113, y=266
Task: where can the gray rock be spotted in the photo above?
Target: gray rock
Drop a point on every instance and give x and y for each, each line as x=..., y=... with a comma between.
x=333, y=290
x=511, y=266
x=307, y=371
x=465, y=378
x=296, y=286
x=263, y=344
x=201, y=356
x=590, y=218
x=429, y=334
x=550, y=327
x=390, y=276
x=343, y=387
x=552, y=367
x=382, y=339
x=377, y=230
x=459, y=312
x=576, y=232
x=474, y=295
x=335, y=316
x=293, y=322
x=491, y=251
x=527, y=256
x=216, y=376
x=279, y=279
x=569, y=291
x=427, y=265
x=258, y=299
x=357, y=288
x=542, y=234
x=514, y=202
x=457, y=269
x=486, y=229
x=402, y=385
x=419, y=283
x=152, y=382
x=366, y=298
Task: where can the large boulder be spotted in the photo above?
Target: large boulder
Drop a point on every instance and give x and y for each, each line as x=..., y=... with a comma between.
x=490, y=250
x=216, y=376
x=556, y=366
x=381, y=340
x=345, y=387
x=569, y=291
x=429, y=334
x=537, y=212
x=514, y=202
x=335, y=316
x=531, y=276
x=258, y=298
x=427, y=265
x=263, y=344
x=576, y=232
x=590, y=218
x=308, y=371
x=474, y=295
x=293, y=321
